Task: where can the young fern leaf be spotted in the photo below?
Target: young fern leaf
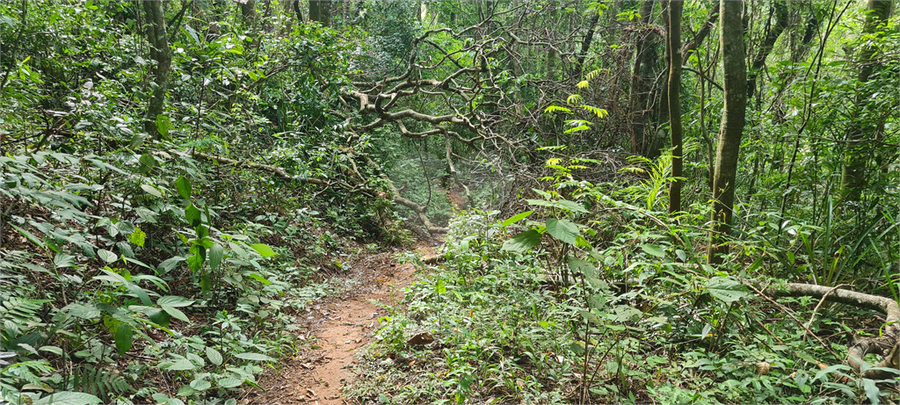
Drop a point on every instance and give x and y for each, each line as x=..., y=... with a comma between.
x=556, y=108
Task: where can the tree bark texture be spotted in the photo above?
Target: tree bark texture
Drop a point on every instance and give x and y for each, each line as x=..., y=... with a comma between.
x=860, y=131
x=320, y=10
x=160, y=53
x=643, y=74
x=779, y=9
x=731, y=37
x=675, y=127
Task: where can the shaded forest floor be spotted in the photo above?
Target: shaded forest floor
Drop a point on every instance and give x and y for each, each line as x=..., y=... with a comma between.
x=334, y=328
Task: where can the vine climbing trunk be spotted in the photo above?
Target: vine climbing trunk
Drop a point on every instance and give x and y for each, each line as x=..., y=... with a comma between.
x=675, y=128
x=160, y=53
x=731, y=38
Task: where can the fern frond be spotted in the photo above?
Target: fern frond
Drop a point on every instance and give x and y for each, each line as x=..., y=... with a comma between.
x=592, y=74
x=97, y=381
x=574, y=99
x=556, y=108
x=599, y=112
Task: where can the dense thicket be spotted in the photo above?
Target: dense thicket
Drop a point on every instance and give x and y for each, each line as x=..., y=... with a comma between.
x=178, y=176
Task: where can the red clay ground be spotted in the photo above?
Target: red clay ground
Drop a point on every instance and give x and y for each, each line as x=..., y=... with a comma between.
x=335, y=328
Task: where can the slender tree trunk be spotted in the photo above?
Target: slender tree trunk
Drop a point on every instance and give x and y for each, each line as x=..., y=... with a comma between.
x=675, y=128
x=731, y=37
x=160, y=53
x=644, y=59
x=858, y=151
x=585, y=46
x=320, y=10
x=779, y=9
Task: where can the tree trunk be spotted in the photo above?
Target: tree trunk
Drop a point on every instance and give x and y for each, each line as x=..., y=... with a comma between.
x=858, y=151
x=779, y=8
x=585, y=45
x=673, y=33
x=160, y=53
x=320, y=10
x=731, y=38
x=645, y=58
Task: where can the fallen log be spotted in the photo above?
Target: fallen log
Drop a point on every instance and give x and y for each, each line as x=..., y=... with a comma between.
x=887, y=345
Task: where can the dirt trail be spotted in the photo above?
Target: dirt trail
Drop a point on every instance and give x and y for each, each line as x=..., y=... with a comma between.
x=338, y=326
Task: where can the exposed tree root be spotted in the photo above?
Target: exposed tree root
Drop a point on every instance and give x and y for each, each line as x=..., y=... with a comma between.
x=887, y=345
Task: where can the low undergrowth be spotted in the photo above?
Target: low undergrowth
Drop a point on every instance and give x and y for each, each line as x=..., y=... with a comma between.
x=595, y=300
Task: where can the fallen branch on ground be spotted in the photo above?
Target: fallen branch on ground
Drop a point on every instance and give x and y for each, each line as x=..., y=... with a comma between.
x=887, y=345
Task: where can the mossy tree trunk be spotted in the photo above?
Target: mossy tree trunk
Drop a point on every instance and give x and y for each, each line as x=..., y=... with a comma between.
x=160, y=53
x=731, y=38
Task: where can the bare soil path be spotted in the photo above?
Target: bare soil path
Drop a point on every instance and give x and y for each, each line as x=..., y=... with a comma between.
x=335, y=328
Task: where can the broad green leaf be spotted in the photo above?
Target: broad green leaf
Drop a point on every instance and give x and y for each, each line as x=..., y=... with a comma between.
x=68, y=398
x=163, y=125
x=522, y=242
x=30, y=236
x=229, y=382
x=259, y=278
x=107, y=256
x=653, y=250
x=572, y=206
x=181, y=364
x=147, y=163
x=253, y=356
x=151, y=190
x=263, y=250
x=582, y=266
x=726, y=289
x=518, y=217
x=137, y=237
x=192, y=214
x=563, y=230
x=872, y=391
x=216, y=253
x=183, y=185
x=201, y=385
x=214, y=356
x=62, y=260
x=174, y=301
x=175, y=313
x=124, y=338
x=186, y=391
x=159, y=317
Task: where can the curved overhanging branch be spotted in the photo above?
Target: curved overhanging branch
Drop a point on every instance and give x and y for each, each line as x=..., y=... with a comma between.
x=887, y=345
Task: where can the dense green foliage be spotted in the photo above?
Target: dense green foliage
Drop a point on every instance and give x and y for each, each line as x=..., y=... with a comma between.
x=161, y=257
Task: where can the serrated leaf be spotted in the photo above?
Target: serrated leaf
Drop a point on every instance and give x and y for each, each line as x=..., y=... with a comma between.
x=214, y=356
x=563, y=230
x=216, y=253
x=68, y=398
x=107, y=256
x=253, y=356
x=518, y=217
x=263, y=250
x=522, y=242
x=183, y=185
x=726, y=289
x=653, y=250
x=124, y=338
